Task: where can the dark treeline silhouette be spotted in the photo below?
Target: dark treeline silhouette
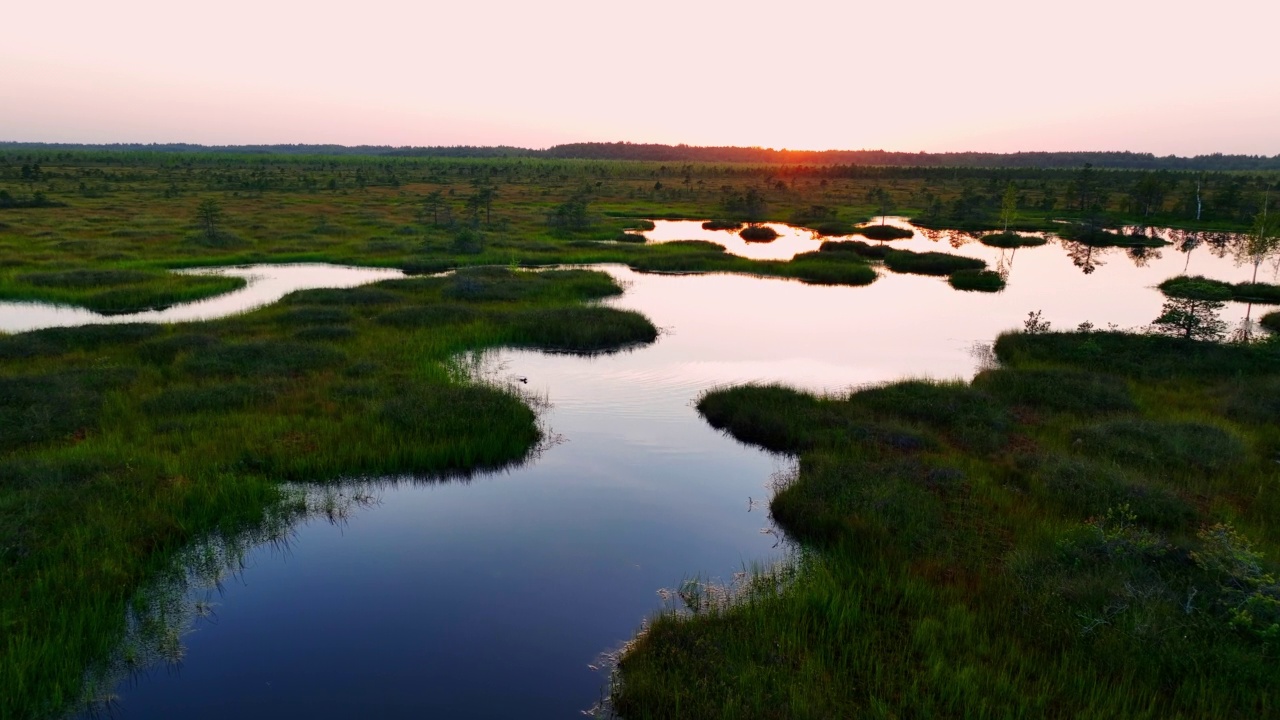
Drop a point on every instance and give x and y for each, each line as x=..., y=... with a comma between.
x=689, y=153
x=1130, y=160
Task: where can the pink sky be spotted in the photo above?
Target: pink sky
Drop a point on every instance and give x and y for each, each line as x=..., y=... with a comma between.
x=1163, y=77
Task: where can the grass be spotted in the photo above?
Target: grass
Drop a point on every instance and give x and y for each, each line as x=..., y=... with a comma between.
x=977, y=280
x=721, y=225
x=113, y=290
x=1012, y=240
x=1271, y=321
x=1048, y=541
x=884, y=232
x=1197, y=287
x=930, y=263
x=125, y=443
x=758, y=233
x=123, y=450
x=1095, y=236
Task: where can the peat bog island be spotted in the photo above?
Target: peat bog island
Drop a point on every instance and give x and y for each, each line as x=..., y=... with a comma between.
x=456, y=418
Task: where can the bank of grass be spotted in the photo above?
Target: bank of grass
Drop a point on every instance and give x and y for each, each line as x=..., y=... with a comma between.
x=1101, y=237
x=1081, y=533
x=1198, y=287
x=758, y=233
x=122, y=444
x=113, y=290
x=1012, y=239
x=976, y=280
x=883, y=232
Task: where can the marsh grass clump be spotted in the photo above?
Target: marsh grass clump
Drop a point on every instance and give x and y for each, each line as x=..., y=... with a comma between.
x=976, y=280
x=830, y=227
x=315, y=316
x=212, y=398
x=856, y=247
x=422, y=316
x=261, y=358
x=55, y=406
x=930, y=263
x=325, y=333
x=1093, y=235
x=1148, y=357
x=364, y=296
x=1271, y=321
x=1086, y=487
x=1196, y=287
x=630, y=237
x=1163, y=446
x=1012, y=240
x=61, y=341
x=165, y=349
x=884, y=232
x=1263, y=293
x=969, y=417
x=758, y=233
x=114, y=290
x=493, y=284
x=583, y=330
x=1057, y=390
x=841, y=496
x=828, y=269
x=640, y=224
x=721, y=225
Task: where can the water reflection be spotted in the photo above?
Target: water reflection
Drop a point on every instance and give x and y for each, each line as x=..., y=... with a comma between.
x=492, y=598
x=266, y=284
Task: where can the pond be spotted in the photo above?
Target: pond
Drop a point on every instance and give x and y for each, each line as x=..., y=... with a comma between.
x=494, y=596
x=266, y=284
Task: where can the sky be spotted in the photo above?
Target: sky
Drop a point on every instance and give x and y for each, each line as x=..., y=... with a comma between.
x=1171, y=77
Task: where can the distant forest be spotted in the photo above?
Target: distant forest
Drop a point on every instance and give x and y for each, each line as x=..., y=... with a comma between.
x=690, y=153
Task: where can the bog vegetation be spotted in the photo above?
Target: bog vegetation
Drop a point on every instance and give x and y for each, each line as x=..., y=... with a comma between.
x=1066, y=535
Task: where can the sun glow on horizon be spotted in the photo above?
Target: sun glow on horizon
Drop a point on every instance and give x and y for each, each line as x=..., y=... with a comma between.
x=983, y=77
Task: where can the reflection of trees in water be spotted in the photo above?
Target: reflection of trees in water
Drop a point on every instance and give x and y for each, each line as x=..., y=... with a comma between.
x=1085, y=257
x=954, y=238
x=1247, y=330
x=1004, y=266
x=1142, y=255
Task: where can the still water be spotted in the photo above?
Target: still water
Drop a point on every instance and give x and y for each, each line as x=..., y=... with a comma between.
x=494, y=596
x=265, y=285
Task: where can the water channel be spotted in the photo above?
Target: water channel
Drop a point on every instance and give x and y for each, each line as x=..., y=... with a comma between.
x=493, y=596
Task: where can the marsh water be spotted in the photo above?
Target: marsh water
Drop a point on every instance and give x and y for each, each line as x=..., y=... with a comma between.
x=265, y=285
x=494, y=596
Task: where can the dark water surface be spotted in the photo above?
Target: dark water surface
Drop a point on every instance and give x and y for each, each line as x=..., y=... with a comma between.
x=491, y=597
